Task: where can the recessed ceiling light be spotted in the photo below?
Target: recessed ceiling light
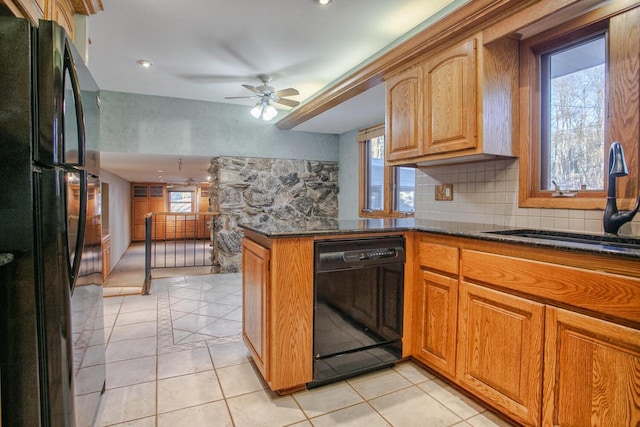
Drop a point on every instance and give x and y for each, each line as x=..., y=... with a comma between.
x=145, y=63
x=323, y=2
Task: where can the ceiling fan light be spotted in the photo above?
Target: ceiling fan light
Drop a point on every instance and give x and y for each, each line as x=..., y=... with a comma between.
x=145, y=63
x=269, y=112
x=257, y=110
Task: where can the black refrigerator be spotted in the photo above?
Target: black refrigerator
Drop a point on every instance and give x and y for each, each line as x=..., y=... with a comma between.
x=52, y=368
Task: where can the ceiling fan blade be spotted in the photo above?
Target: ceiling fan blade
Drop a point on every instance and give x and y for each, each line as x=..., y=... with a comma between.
x=253, y=89
x=286, y=92
x=288, y=102
x=240, y=97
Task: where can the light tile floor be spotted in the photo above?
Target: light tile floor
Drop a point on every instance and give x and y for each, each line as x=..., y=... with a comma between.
x=176, y=357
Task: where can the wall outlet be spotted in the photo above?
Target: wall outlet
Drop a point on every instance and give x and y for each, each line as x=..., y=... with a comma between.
x=444, y=192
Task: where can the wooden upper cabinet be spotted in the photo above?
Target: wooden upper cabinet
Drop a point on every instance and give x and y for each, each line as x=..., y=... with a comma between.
x=30, y=9
x=62, y=12
x=403, y=115
x=499, y=355
x=450, y=121
x=460, y=107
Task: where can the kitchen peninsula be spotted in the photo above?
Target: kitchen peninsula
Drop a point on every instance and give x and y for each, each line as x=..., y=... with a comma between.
x=528, y=325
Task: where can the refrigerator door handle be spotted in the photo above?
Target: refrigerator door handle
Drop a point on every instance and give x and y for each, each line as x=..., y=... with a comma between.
x=70, y=66
x=82, y=221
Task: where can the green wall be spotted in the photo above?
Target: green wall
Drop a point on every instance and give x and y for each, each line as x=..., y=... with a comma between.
x=160, y=125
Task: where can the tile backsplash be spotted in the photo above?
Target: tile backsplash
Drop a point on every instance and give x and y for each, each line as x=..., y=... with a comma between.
x=487, y=192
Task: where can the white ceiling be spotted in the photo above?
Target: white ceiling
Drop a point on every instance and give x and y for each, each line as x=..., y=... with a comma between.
x=149, y=168
x=205, y=50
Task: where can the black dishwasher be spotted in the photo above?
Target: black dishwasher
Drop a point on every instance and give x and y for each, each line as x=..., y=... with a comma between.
x=358, y=306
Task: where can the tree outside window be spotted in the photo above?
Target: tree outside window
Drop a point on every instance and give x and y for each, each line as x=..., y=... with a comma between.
x=578, y=94
x=573, y=116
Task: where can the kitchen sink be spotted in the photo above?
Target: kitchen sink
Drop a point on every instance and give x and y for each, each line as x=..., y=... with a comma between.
x=588, y=239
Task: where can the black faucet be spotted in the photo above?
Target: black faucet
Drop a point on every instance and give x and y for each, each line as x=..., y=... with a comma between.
x=613, y=219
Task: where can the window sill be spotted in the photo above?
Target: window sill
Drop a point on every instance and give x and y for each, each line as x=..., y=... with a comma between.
x=380, y=214
x=583, y=203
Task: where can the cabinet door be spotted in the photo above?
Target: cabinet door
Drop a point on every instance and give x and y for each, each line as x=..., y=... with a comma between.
x=450, y=100
x=500, y=350
x=140, y=211
x=255, y=313
x=63, y=14
x=592, y=372
x=437, y=317
x=157, y=198
x=403, y=115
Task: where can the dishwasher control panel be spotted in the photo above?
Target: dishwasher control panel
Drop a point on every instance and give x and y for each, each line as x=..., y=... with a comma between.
x=354, y=253
x=355, y=256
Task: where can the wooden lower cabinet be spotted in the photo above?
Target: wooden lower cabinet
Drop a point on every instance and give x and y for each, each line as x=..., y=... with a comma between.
x=140, y=211
x=500, y=350
x=592, y=372
x=145, y=199
x=488, y=318
x=278, y=309
x=437, y=318
x=255, y=313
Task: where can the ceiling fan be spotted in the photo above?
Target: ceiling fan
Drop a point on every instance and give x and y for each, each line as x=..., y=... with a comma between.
x=190, y=182
x=265, y=95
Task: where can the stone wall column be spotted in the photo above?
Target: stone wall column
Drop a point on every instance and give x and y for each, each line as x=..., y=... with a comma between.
x=268, y=194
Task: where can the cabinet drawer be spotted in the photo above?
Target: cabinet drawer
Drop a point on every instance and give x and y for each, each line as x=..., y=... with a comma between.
x=439, y=257
x=609, y=294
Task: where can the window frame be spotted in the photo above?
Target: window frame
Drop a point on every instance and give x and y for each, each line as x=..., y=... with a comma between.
x=389, y=180
x=544, y=154
x=192, y=202
x=531, y=130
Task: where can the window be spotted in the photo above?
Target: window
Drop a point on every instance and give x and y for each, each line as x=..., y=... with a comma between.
x=405, y=189
x=579, y=93
x=572, y=116
x=374, y=187
x=180, y=201
x=384, y=191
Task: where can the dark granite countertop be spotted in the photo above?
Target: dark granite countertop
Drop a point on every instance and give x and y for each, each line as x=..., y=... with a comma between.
x=460, y=229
